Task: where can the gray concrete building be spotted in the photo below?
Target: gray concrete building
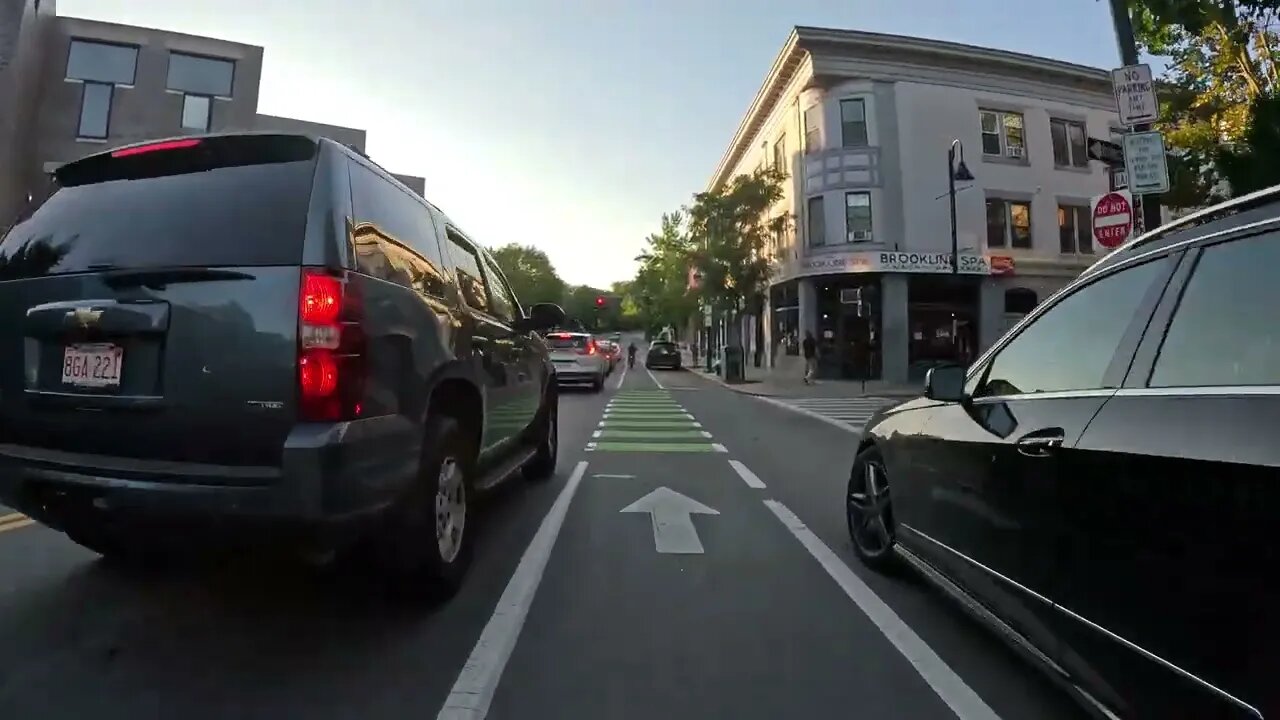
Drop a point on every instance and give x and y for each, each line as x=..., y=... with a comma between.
x=70, y=87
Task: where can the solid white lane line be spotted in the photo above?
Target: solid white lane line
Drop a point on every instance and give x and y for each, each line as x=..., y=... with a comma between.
x=473, y=690
x=953, y=691
x=816, y=416
x=655, y=379
x=621, y=377
x=747, y=476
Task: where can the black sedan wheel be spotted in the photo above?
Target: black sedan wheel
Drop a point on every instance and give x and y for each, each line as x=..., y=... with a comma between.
x=868, y=510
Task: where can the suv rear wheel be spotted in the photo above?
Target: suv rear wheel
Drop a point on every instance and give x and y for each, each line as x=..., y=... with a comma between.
x=547, y=436
x=426, y=541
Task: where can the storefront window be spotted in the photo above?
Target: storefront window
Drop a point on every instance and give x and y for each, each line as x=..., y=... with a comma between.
x=784, y=300
x=849, y=328
x=942, y=313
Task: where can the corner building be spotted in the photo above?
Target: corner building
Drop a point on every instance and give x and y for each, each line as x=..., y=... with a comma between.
x=862, y=124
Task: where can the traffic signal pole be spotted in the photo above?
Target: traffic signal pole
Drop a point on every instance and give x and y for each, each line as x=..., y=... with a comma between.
x=1129, y=56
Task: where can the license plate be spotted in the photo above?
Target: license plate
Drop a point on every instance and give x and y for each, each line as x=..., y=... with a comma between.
x=95, y=366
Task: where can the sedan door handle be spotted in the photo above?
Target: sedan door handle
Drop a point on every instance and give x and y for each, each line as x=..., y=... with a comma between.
x=1041, y=443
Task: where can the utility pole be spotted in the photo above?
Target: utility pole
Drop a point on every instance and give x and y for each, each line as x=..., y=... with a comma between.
x=1129, y=56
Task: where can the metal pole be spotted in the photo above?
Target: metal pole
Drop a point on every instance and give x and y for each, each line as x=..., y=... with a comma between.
x=951, y=191
x=1129, y=56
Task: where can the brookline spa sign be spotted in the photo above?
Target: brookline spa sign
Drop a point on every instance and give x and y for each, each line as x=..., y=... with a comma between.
x=897, y=262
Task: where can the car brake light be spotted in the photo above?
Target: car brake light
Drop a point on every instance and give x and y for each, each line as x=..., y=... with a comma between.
x=590, y=348
x=155, y=147
x=331, y=347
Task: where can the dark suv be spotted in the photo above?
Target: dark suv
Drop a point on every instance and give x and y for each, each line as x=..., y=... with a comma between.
x=263, y=339
x=1101, y=487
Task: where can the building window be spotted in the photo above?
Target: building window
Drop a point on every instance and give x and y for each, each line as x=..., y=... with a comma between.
x=200, y=75
x=853, y=123
x=100, y=67
x=817, y=222
x=811, y=141
x=102, y=62
x=1074, y=232
x=1069, y=144
x=95, y=111
x=1002, y=134
x=196, y=110
x=780, y=154
x=1008, y=223
x=857, y=217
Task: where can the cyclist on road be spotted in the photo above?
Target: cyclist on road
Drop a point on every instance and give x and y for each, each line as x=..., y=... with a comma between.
x=631, y=355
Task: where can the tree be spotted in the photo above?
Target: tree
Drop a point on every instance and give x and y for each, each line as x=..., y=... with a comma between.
x=1221, y=77
x=529, y=272
x=660, y=291
x=731, y=230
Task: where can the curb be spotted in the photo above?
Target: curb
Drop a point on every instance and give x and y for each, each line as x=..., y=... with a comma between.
x=745, y=389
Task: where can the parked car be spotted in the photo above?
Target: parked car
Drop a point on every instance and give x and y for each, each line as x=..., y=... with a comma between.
x=662, y=354
x=243, y=338
x=1101, y=486
x=610, y=351
x=578, y=359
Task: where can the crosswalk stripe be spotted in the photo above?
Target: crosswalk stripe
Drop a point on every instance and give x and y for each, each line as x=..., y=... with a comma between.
x=852, y=413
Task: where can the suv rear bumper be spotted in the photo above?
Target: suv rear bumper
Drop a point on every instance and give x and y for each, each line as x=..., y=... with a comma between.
x=331, y=475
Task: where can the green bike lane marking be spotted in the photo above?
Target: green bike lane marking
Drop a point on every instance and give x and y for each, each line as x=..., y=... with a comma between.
x=650, y=421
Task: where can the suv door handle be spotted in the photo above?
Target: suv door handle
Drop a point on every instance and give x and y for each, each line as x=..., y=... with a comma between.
x=1041, y=443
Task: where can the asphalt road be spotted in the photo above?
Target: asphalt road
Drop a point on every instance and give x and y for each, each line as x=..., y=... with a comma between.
x=595, y=595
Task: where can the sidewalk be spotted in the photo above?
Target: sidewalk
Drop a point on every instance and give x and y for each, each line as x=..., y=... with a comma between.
x=788, y=381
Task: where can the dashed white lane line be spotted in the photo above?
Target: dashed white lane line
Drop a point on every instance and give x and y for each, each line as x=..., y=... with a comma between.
x=473, y=690
x=815, y=415
x=953, y=691
x=747, y=476
x=655, y=379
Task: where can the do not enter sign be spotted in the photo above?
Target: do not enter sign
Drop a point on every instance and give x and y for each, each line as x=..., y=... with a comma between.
x=1112, y=218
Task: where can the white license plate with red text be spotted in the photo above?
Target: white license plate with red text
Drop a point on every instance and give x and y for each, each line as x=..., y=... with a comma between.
x=96, y=366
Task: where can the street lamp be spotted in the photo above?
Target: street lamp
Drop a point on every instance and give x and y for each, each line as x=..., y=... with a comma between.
x=955, y=172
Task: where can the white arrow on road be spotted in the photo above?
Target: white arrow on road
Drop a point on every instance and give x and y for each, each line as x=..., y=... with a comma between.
x=673, y=530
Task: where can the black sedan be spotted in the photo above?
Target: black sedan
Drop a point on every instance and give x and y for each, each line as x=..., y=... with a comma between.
x=1101, y=486
x=662, y=354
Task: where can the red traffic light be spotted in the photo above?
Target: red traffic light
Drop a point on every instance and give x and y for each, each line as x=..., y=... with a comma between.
x=600, y=301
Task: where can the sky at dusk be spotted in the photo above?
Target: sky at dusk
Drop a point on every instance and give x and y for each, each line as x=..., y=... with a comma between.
x=571, y=125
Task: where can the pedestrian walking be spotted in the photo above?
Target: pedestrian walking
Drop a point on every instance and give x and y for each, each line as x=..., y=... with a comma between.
x=810, y=348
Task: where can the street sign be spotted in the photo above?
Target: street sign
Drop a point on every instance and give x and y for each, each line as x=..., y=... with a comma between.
x=1112, y=218
x=1135, y=94
x=1145, y=166
x=1105, y=151
x=1119, y=180
x=673, y=530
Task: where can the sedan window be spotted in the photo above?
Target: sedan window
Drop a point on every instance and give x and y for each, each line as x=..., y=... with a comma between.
x=1070, y=346
x=1224, y=331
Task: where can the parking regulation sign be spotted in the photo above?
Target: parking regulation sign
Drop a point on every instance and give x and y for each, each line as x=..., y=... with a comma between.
x=1112, y=218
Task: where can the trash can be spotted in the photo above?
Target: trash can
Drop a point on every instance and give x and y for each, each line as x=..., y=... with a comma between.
x=732, y=365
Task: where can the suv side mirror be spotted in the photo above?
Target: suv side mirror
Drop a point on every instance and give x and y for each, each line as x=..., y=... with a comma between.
x=945, y=383
x=543, y=316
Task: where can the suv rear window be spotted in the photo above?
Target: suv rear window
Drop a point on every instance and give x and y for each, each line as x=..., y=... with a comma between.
x=566, y=342
x=662, y=346
x=227, y=201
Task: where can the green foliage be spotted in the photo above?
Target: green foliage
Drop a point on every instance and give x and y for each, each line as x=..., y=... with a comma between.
x=731, y=231
x=529, y=271
x=1221, y=76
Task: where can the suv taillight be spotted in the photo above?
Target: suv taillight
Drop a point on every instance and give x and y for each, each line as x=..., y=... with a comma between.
x=590, y=348
x=331, y=347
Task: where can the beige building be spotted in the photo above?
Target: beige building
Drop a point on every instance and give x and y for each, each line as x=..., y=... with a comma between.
x=70, y=87
x=862, y=124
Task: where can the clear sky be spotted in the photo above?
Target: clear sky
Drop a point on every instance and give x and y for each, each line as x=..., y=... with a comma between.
x=571, y=125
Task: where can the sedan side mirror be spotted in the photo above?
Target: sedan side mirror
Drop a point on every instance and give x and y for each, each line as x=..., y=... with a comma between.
x=945, y=383
x=543, y=316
